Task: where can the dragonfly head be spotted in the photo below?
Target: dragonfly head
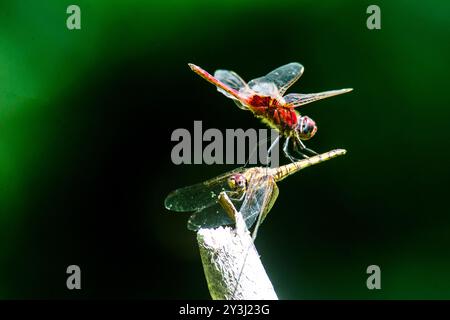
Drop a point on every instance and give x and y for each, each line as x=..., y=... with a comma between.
x=237, y=182
x=306, y=128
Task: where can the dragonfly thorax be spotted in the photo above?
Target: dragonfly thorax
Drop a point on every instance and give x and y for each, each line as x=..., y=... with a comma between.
x=274, y=112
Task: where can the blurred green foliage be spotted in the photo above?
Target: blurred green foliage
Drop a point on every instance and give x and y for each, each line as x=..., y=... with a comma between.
x=85, y=124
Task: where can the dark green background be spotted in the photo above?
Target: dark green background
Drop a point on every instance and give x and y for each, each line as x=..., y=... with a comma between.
x=86, y=118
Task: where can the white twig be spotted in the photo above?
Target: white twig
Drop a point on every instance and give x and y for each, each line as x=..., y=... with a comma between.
x=232, y=266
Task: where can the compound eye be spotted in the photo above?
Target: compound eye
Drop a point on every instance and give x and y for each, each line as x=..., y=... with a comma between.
x=305, y=126
x=232, y=182
x=240, y=181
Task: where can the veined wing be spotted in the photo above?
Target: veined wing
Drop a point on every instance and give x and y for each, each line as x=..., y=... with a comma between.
x=231, y=92
x=234, y=81
x=299, y=99
x=259, y=199
x=278, y=80
x=211, y=217
x=231, y=79
x=199, y=196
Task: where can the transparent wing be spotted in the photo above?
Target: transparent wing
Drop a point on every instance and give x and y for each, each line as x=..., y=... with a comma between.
x=259, y=198
x=199, y=196
x=224, y=88
x=299, y=99
x=264, y=88
x=211, y=217
x=231, y=79
x=279, y=79
x=234, y=81
x=271, y=202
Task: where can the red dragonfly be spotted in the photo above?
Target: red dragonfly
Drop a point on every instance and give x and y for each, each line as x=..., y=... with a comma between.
x=265, y=97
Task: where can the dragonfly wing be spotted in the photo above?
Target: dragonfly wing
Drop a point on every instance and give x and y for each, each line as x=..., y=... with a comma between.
x=281, y=78
x=298, y=99
x=211, y=217
x=231, y=79
x=199, y=196
x=234, y=81
x=270, y=201
x=226, y=89
x=258, y=199
x=264, y=88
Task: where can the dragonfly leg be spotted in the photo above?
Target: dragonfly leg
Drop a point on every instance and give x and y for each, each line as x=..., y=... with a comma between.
x=312, y=152
x=241, y=197
x=274, y=143
x=254, y=150
x=233, y=195
x=286, y=150
x=301, y=148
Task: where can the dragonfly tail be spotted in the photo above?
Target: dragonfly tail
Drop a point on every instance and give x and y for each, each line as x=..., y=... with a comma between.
x=208, y=77
x=288, y=169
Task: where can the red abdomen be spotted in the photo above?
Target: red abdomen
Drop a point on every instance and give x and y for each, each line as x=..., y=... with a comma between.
x=280, y=116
